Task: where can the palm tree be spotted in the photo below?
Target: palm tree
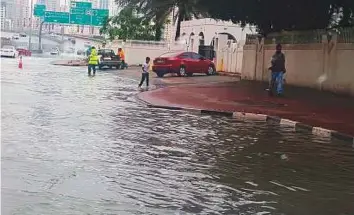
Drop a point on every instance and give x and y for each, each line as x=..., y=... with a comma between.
x=159, y=10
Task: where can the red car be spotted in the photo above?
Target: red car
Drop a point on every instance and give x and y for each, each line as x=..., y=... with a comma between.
x=182, y=63
x=23, y=52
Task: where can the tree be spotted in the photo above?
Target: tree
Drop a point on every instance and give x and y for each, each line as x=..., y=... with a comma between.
x=159, y=10
x=277, y=15
x=128, y=25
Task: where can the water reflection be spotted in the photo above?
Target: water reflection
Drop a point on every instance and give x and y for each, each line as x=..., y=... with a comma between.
x=78, y=145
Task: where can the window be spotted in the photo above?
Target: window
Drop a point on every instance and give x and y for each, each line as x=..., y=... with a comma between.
x=170, y=54
x=196, y=56
x=185, y=55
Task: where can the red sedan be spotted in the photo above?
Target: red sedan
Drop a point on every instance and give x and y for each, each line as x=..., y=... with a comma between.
x=23, y=51
x=182, y=63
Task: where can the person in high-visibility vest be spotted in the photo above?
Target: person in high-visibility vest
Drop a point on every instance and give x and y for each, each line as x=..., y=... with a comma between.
x=92, y=61
x=121, y=57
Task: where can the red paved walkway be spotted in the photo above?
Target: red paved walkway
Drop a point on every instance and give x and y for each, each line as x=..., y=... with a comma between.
x=300, y=104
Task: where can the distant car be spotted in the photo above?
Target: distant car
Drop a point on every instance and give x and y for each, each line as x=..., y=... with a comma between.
x=70, y=50
x=107, y=58
x=23, y=35
x=16, y=37
x=183, y=64
x=80, y=52
x=23, y=51
x=54, y=51
x=8, y=51
x=87, y=44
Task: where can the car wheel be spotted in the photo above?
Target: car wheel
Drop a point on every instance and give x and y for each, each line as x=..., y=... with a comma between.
x=182, y=71
x=160, y=74
x=211, y=70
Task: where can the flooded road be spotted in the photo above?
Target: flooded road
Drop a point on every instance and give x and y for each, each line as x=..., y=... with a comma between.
x=73, y=144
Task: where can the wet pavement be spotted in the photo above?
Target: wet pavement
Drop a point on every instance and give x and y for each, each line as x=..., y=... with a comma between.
x=73, y=144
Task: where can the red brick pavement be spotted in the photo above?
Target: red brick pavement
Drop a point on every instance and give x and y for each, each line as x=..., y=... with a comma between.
x=304, y=105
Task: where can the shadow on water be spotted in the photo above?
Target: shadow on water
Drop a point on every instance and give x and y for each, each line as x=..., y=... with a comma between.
x=78, y=145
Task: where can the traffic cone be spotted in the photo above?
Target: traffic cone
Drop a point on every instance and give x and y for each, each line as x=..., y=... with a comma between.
x=20, y=63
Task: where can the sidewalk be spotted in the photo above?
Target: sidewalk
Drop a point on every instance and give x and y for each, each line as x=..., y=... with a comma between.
x=308, y=106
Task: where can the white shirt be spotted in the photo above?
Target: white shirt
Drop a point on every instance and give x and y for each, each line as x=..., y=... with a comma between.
x=146, y=67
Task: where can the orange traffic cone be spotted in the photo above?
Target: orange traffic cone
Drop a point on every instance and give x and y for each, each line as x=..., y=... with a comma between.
x=20, y=63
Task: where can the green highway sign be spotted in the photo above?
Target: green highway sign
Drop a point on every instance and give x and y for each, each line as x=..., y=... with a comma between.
x=99, y=16
x=78, y=4
x=80, y=16
x=81, y=13
x=39, y=10
x=56, y=17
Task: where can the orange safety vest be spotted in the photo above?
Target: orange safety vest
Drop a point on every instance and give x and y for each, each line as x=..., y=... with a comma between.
x=121, y=55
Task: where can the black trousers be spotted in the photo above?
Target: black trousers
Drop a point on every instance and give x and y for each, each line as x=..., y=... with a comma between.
x=122, y=66
x=144, y=76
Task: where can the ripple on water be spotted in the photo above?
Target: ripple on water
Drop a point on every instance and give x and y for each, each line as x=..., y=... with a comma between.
x=78, y=145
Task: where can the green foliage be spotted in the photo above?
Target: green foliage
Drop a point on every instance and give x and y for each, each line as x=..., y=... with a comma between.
x=159, y=10
x=128, y=25
x=268, y=15
x=278, y=15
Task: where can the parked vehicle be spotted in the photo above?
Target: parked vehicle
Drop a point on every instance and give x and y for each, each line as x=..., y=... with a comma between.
x=183, y=64
x=80, y=52
x=107, y=58
x=55, y=51
x=8, y=51
x=23, y=35
x=87, y=44
x=23, y=51
x=16, y=37
x=70, y=50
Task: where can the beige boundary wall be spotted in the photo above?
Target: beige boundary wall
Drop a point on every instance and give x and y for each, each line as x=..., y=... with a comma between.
x=326, y=66
x=135, y=52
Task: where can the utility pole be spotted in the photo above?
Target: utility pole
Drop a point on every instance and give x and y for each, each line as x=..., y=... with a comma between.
x=31, y=19
x=40, y=36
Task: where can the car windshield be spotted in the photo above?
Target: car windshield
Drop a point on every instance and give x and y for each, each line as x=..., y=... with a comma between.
x=105, y=51
x=170, y=54
x=8, y=47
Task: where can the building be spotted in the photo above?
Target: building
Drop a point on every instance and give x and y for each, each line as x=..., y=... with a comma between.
x=2, y=14
x=205, y=32
x=104, y=4
x=169, y=28
x=52, y=5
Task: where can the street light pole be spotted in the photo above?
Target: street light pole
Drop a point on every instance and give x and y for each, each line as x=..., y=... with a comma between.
x=30, y=36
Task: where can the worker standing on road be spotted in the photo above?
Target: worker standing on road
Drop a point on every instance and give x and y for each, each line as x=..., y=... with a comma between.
x=92, y=61
x=145, y=73
x=277, y=71
x=121, y=57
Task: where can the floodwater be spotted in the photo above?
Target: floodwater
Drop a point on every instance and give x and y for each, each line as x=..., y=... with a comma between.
x=73, y=144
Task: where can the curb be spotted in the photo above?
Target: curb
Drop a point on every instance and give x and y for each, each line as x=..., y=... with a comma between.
x=297, y=126
x=232, y=74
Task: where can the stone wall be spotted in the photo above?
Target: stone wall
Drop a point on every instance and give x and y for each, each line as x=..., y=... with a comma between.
x=327, y=66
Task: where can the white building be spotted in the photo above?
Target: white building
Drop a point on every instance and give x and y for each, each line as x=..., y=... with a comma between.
x=170, y=28
x=204, y=31
x=2, y=15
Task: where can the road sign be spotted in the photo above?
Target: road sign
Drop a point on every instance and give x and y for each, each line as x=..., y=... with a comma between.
x=80, y=16
x=56, y=17
x=78, y=4
x=39, y=10
x=99, y=16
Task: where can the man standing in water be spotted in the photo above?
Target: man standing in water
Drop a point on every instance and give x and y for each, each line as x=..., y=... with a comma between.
x=121, y=57
x=145, y=73
x=278, y=69
x=93, y=61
